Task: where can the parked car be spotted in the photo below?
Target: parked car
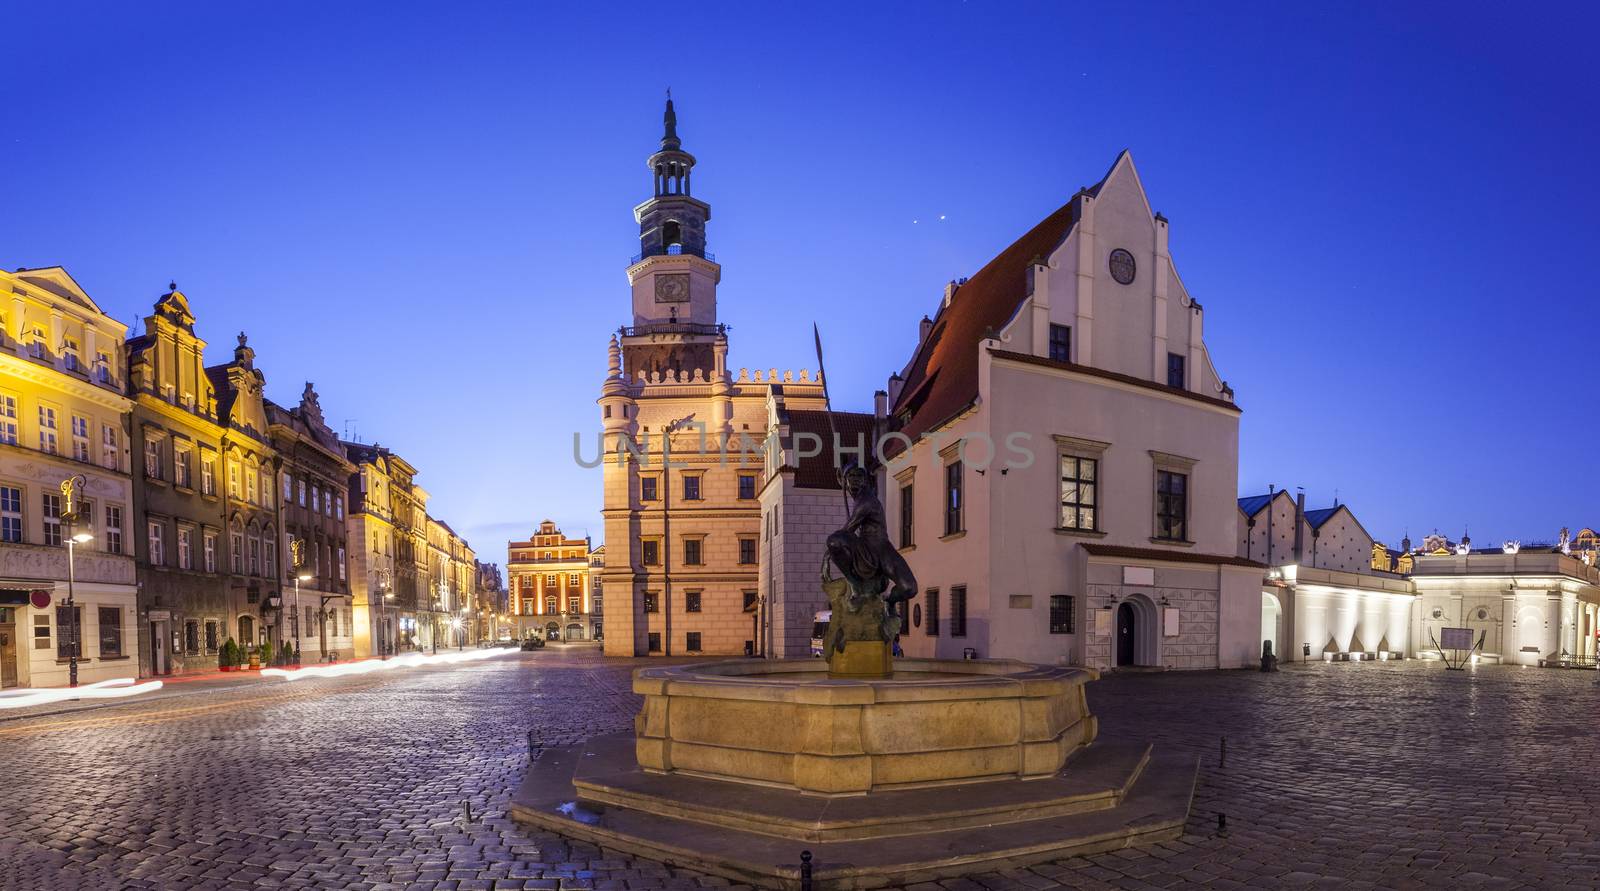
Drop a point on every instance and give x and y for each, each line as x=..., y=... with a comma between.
x=533, y=643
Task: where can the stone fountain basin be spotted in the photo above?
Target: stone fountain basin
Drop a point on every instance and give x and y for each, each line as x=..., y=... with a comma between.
x=786, y=724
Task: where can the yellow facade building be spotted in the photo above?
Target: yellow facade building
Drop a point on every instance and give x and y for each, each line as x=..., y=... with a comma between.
x=62, y=414
x=552, y=587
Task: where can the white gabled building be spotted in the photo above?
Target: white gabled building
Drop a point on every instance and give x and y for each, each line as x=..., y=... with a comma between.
x=1073, y=460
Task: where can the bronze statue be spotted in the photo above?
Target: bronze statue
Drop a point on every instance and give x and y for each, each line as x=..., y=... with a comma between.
x=875, y=578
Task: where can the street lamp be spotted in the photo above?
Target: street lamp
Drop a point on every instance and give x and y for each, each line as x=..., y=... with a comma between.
x=69, y=491
x=298, y=561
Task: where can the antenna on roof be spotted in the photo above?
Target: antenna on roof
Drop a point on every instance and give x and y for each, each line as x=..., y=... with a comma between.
x=350, y=430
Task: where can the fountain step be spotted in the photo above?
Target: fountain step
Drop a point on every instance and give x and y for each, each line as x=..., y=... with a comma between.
x=985, y=830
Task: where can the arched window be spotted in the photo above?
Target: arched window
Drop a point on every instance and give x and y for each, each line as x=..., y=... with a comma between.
x=672, y=234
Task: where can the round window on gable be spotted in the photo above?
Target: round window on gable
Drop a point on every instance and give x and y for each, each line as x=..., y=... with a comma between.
x=1123, y=267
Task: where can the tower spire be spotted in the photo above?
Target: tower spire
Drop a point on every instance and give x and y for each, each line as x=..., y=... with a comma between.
x=669, y=139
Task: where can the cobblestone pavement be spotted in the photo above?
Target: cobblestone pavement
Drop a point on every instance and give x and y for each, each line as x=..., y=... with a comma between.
x=1337, y=776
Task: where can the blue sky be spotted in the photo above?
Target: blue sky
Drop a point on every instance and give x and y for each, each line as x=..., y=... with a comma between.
x=425, y=209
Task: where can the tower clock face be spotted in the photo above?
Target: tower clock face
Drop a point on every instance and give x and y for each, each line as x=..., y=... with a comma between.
x=1122, y=267
x=672, y=287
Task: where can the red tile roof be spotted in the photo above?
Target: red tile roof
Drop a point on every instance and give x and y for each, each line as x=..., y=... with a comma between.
x=942, y=379
x=854, y=428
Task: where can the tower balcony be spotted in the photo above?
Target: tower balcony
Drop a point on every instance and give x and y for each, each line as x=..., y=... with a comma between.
x=650, y=328
x=672, y=250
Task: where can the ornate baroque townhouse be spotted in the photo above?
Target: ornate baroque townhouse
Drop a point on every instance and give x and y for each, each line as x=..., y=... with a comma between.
x=314, y=475
x=250, y=471
x=62, y=415
x=450, y=586
x=552, y=593
x=683, y=537
x=178, y=505
x=1069, y=490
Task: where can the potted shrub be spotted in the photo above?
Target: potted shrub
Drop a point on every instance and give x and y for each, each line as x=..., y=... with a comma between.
x=266, y=654
x=228, y=656
x=291, y=656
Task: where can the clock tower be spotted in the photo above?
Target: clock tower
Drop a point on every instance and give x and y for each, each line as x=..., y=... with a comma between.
x=674, y=279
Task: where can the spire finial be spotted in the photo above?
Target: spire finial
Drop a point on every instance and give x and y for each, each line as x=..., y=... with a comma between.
x=669, y=139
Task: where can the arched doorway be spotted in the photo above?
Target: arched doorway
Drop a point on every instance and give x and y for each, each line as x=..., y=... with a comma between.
x=247, y=631
x=1127, y=634
x=1272, y=624
x=552, y=631
x=574, y=632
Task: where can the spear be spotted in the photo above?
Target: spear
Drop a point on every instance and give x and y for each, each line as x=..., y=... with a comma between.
x=827, y=405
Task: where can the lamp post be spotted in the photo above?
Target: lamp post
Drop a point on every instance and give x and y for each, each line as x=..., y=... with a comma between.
x=69, y=491
x=383, y=613
x=297, y=560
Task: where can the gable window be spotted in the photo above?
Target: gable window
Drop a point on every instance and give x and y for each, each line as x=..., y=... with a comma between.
x=958, y=611
x=1175, y=370
x=1172, y=505
x=1061, y=343
x=8, y=419
x=747, y=486
x=1060, y=614
x=953, y=501
x=931, y=613
x=907, y=515
x=1079, y=492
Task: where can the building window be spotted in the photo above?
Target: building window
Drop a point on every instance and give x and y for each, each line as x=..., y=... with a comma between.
x=691, y=487
x=113, y=530
x=1172, y=505
x=110, y=632
x=316, y=499
x=691, y=552
x=647, y=488
x=653, y=642
x=266, y=488
x=152, y=459
x=209, y=546
x=338, y=506
x=651, y=602
x=341, y=564
x=191, y=637
x=208, y=477
x=68, y=618
x=650, y=552
x=69, y=355
x=1175, y=370
x=41, y=631
x=211, y=636
x=250, y=484
x=47, y=430
x=751, y=601
x=269, y=546
x=301, y=488
x=8, y=419
x=102, y=367
x=109, y=452
x=185, y=548
x=236, y=551
x=932, y=612
x=952, y=498
x=907, y=516
x=233, y=479
x=747, y=551
x=1060, y=614
x=181, y=473
x=158, y=550
x=1079, y=487
x=691, y=601
x=691, y=641
x=80, y=439
x=958, y=611
x=52, y=519
x=10, y=514
x=747, y=486
x=1061, y=343
x=288, y=488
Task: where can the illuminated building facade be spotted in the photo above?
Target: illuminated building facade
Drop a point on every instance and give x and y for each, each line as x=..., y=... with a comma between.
x=682, y=561
x=177, y=439
x=313, y=476
x=62, y=413
x=552, y=586
x=451, y=585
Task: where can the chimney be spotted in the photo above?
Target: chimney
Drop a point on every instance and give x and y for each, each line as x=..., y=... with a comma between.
x=925, y=326
x=1299, y=522
x=880, y=404
x=950, y=292
x=895, y=383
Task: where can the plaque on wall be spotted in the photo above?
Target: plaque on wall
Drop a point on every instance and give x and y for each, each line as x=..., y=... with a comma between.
x=1169, y=621
x=672, y=287
x=1102, y=622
